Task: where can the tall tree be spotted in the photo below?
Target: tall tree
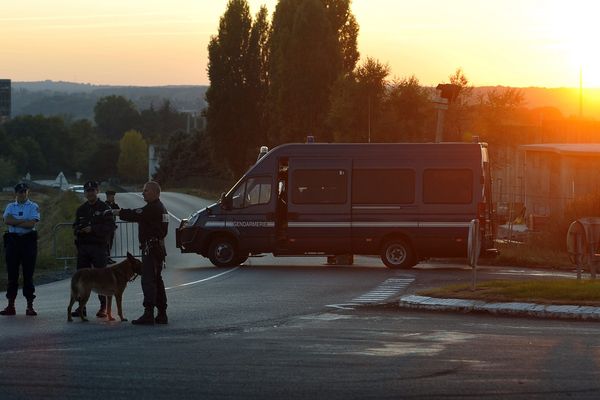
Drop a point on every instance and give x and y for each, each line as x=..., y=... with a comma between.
x=408, y=112
x=459, y=114
x=133, y=157
x=313, y=42
x=236, y=70
x=114, y=115
x=357, y=101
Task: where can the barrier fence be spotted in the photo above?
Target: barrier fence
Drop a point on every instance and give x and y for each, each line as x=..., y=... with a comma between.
x=124, y=241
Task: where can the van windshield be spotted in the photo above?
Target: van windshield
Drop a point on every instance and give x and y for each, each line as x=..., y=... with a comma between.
x=252, y=192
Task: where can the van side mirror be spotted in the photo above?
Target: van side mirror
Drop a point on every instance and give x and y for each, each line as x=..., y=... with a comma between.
x=226, y=202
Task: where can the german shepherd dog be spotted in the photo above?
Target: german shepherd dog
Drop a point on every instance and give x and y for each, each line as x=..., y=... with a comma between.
x=109, y=281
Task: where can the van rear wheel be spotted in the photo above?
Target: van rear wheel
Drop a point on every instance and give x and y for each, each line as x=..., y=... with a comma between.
x=223, y=252
x=396, y=253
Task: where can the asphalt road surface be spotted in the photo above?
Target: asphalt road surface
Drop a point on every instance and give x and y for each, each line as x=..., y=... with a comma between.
x=293, y=328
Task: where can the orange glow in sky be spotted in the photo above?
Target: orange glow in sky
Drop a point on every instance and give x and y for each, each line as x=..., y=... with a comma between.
x=156, y=42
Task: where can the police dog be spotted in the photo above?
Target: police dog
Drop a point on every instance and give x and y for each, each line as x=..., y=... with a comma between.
x=109, y=281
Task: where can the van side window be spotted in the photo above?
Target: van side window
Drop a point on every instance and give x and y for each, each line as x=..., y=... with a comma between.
x=383, y=186
x=448, y=186
x=319, y=186
x=253, y=192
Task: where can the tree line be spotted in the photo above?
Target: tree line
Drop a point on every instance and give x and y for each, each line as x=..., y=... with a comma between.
x=113, y=146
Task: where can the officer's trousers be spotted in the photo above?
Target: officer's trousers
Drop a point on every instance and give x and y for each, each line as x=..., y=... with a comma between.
x=21, y=250
x=152, y=281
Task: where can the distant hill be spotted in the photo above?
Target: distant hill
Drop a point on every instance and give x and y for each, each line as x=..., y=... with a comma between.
x=566, y=100
x=78, y=99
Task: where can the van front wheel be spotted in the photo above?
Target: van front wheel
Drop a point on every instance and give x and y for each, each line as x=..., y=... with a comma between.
x=223, y=252
x=396, y=254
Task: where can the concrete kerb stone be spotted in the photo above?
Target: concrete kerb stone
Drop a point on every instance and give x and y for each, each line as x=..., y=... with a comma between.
x=510, y=308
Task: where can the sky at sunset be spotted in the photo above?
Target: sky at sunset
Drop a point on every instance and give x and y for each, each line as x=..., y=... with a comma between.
x=156, y=42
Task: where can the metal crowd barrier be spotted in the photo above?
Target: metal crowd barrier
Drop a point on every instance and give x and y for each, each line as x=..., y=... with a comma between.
x=125, y=240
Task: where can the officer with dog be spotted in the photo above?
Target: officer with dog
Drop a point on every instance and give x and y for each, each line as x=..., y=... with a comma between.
x=153, y=220
x=93, y=226
x=20, y=244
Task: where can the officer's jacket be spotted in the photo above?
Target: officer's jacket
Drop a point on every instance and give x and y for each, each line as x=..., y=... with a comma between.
x=153, y=220
x=99, y=217
x=27, y=210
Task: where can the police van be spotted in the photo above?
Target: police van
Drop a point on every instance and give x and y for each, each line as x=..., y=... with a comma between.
x=402, y=201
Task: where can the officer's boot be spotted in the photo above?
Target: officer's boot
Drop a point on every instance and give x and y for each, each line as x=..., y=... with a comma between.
x=161, y=317
x=10, y=309
x=147, y=318
x=30, y=311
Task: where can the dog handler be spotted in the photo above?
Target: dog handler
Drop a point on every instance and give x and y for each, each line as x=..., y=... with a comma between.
x=153, y=220
x=92, y=227
x=20, y=243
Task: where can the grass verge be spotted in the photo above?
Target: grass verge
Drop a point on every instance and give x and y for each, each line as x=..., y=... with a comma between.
x=563, y=291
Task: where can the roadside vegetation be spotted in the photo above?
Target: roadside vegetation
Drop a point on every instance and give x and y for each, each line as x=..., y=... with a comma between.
x=55, y=208
x=563, y=291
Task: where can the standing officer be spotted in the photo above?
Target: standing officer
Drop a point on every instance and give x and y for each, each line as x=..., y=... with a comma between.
x=110, y=201
x=20, y=243
x=92, y=227
x=153, y=220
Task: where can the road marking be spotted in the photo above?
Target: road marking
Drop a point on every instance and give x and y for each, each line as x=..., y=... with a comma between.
x=203, y=280
x=387, y=289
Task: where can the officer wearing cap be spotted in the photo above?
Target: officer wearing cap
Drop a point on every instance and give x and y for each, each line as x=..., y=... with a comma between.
x=110, y=200
x=153, y=220
x=92, y=227
x=20, y=243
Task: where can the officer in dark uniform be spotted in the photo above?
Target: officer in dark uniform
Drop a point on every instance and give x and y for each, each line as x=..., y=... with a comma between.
x=153, y=220
x=110, y=200
x=93, y=225
x=20, y=244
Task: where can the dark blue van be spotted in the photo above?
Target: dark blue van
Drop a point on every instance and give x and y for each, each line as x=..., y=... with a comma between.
x=402, y=201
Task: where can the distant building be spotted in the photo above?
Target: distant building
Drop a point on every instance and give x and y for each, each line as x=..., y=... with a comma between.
x=5, y=108
x=556, y=174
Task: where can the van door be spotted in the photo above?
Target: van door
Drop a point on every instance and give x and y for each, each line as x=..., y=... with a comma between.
x=252, y=214
x=319, y=212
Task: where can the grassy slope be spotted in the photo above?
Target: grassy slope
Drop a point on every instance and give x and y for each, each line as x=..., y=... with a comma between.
x=562, y=291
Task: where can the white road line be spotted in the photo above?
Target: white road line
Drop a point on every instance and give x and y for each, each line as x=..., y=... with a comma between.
x=203, y=280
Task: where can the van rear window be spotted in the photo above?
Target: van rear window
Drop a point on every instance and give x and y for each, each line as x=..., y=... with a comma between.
x=448, y=186
x=383, y=186
x=319, y=186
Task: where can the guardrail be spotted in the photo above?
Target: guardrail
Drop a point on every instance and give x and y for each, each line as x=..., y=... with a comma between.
x=125, y=240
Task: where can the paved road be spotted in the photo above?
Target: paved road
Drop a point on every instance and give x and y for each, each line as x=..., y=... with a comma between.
x=293, y=328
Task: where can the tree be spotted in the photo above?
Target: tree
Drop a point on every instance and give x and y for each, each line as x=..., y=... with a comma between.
x=8, y=172
x=459, y=116
x=237, y=73
x=83, y=141
x=357, y=103
x=114, y=115
x=408, y=112
x=186, y=155
x=102, y=164
x=133, y=157
x=312, y=43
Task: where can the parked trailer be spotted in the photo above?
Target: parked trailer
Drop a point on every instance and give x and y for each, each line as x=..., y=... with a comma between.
x=402, y=201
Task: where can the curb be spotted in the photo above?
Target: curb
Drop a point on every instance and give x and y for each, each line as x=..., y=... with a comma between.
x=513, y=308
